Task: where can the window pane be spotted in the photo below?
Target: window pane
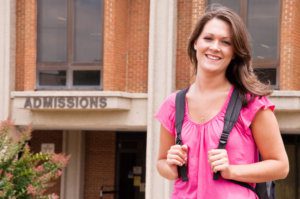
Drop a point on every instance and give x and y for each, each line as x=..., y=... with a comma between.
x=263, y=22
x=88, y=31
x=52, y=31
x=232, y=4
x=266, y=75
x=86, y=78
x=52, y=78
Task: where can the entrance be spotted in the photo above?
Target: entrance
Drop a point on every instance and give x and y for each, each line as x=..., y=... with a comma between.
x=130, y=165
x=289, y=187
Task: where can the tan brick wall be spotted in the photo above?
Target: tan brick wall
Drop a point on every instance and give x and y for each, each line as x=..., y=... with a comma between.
x=115, y=40
x=290, y=45
x=138, y=32
x=99, y=162
x=199, y=7
x=188, y=14
x=184, y=27
x=126, y=31
x=25, y=44
x=296, y=55
x=39, y=137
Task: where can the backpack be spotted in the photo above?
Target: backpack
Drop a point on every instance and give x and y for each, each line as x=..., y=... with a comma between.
x=265, y=190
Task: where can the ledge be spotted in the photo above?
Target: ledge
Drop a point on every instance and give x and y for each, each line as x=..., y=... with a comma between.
x=74, y=100
x=88, y=110
x=286, y=100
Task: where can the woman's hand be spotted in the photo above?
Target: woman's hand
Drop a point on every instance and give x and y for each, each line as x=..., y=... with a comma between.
x=170, y=155
x=177, y=155
x=218, y=159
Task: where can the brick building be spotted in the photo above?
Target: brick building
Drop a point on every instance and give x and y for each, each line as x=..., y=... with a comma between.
x=90, y=74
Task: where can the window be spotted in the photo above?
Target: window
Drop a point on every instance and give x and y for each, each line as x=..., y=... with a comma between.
x=262, y=19
x=69, y=44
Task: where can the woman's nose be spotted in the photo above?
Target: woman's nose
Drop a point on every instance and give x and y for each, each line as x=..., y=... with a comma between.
x=215, y=46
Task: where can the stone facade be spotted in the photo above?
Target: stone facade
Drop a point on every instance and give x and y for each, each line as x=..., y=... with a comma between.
x=144, y=60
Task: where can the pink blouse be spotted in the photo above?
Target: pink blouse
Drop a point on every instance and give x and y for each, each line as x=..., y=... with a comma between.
x=201, y=137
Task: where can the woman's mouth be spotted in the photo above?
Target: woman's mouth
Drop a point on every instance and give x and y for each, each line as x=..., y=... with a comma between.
x=212, y=57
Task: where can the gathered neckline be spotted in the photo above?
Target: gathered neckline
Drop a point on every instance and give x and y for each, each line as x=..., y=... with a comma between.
x=187, y=112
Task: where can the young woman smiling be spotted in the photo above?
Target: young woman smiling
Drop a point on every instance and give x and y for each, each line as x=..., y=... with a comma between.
x=219, y=49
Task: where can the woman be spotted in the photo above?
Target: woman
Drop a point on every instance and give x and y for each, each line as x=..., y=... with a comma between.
x=220, y=52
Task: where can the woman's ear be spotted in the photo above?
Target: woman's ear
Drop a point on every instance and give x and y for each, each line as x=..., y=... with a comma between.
x=195, y=45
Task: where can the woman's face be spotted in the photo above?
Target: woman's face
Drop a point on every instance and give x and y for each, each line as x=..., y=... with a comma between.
x=214, y=48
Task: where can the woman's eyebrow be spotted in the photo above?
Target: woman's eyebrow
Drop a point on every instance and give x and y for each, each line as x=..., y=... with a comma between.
x=211, y=34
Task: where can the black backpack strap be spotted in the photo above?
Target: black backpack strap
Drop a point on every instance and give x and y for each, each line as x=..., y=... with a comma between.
x=244, y=184
x=179, y=116
x=261, y=189
x=231, y=116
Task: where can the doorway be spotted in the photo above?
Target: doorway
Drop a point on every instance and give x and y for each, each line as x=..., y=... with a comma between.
x=130, y=165
x=289, y=187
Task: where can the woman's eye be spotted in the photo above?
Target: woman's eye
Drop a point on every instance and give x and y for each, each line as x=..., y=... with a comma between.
x=227, y=42
x=207, y=38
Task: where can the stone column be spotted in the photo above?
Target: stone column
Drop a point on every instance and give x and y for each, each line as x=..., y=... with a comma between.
x=6, y=56
x=73, y=176
x=161, y=82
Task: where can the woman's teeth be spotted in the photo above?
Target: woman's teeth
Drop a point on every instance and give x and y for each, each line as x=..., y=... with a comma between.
x=213, y=57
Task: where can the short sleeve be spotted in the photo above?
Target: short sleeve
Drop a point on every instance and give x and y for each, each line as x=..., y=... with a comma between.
x=166, y=113
x=248, y=113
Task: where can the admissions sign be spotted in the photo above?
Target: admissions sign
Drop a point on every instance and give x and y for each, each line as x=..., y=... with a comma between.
x=69, y=102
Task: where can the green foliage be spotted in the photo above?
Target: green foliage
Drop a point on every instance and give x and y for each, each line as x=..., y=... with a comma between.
x=23, y=174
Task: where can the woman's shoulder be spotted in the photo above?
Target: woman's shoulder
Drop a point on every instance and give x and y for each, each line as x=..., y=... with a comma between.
x=255, y=103
x=171, y=98
x=168, y=104
x=258, y=102
x=169, y=101
x=166, y=113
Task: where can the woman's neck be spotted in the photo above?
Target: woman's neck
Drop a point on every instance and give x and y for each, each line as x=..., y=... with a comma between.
x=205, y=83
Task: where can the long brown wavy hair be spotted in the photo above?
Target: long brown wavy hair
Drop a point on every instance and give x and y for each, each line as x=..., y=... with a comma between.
x=239, y=72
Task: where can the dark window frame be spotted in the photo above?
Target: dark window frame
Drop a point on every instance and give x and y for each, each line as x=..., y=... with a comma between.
x=70, y=65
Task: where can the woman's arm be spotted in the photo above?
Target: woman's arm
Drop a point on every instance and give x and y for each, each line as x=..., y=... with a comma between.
x=268, y=139
x=170, y=155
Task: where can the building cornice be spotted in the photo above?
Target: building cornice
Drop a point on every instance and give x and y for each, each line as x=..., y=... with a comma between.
x=286, y=100
x=75, y=100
